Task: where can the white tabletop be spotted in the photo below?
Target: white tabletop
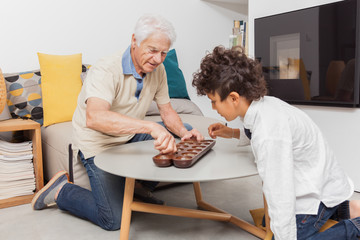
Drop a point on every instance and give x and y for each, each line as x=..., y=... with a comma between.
x=224, y=161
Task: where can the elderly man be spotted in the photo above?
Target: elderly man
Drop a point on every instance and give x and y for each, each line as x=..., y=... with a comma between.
x=111, y=106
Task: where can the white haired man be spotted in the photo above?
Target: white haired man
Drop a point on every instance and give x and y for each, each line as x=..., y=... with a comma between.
x=111, y=107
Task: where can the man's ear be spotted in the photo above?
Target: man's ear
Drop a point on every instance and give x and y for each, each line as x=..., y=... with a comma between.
x=133, y=41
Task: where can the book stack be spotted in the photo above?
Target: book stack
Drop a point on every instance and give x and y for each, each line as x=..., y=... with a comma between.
x=17, y=176
x=239, y=36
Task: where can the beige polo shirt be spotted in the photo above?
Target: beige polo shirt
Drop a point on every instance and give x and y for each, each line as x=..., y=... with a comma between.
x=106, y=80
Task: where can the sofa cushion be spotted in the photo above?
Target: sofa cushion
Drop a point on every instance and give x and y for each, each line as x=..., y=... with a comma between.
x=175, y=77
x=200, y=123
x=24, y=96
x=85, y=70
x=61, y=85
x=181, y=106
x=55, y=144
x=4, y=110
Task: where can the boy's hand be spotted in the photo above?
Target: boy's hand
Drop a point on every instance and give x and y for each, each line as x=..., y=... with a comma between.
x=220, y=130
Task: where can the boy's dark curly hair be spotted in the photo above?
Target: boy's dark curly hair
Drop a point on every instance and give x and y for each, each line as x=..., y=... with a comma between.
x=230, y=70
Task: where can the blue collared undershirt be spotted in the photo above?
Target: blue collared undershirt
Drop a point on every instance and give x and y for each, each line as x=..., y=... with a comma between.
x=129, y=69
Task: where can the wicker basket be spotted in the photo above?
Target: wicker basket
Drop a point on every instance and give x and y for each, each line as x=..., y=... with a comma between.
x=2, y=93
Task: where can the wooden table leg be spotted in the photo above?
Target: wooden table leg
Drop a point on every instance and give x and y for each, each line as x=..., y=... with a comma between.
x=197, y=191
x=234, y=220
x=214, y=213
x=126, y=212
x=269, y=233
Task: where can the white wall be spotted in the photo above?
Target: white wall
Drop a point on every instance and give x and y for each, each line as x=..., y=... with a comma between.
x=341, y=126
x=99, y=28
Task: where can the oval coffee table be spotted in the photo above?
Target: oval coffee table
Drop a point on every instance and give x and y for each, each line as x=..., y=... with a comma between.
x=134, y=161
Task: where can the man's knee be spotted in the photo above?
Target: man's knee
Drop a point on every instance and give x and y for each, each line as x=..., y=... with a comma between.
x=109, y=222
x=188, y=126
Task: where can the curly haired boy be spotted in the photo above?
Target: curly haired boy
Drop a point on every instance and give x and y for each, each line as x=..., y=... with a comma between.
x=302, y=181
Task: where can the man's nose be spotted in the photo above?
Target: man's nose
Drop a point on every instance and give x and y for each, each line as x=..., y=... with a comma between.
x=157, y=58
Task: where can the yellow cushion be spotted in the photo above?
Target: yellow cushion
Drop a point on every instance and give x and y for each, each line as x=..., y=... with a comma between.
x=2, y=92
x=60, y=86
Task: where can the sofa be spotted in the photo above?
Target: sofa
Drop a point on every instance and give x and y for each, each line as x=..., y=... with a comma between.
x=26, y=95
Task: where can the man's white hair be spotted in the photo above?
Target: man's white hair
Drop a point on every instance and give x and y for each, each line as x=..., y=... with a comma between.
x=149, y=24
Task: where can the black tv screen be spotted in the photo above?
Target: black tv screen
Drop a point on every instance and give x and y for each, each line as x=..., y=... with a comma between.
x=312, y=56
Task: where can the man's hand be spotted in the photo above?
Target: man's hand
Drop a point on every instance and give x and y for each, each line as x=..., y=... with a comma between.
x=193, y=134
x=173, y=122
x=164, y=141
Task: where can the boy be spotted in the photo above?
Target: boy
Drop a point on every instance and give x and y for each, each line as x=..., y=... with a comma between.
x=303, y=184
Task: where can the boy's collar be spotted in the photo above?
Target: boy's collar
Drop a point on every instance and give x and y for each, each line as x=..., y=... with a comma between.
x=249, y=118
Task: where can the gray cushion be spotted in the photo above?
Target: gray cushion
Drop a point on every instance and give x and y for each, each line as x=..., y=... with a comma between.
x=181, y=106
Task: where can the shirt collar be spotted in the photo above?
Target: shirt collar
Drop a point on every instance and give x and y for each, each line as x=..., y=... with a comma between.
x=128, y=65
x=250, y=116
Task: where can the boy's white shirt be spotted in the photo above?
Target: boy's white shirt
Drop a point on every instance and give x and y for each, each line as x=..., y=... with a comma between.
x=244, y=140
x=297, y=167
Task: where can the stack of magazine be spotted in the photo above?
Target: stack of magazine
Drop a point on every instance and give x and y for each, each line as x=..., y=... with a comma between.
x=16, y=169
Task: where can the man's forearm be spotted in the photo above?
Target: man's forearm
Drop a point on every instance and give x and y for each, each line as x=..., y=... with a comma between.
x=113, y=123
x=173, y=122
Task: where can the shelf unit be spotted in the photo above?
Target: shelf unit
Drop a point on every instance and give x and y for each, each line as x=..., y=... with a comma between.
x=33, y=131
